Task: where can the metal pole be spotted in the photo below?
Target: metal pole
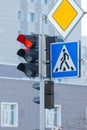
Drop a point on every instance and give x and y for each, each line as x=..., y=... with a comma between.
x=42, y=68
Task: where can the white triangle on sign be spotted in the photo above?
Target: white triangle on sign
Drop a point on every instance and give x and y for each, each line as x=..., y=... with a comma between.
x=64, y=62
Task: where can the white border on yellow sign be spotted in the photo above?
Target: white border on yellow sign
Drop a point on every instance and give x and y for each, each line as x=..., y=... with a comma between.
x=65, y=33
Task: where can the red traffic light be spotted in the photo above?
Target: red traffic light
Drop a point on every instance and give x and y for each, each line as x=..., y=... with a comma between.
x=30, y=54
x=23, y=39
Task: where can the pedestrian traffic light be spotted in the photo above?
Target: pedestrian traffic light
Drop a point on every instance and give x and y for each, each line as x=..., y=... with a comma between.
x=49, y=40
x=36, y=99
x=30, y=54
x=49, y=94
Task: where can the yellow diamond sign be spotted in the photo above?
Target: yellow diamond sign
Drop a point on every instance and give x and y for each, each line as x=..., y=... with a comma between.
x=64, y=16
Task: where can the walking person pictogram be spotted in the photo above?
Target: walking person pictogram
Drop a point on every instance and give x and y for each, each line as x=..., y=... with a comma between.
x=64, y=59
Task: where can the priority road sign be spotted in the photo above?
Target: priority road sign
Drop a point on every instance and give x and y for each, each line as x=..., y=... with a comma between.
x=65, y=15
x=65, y=59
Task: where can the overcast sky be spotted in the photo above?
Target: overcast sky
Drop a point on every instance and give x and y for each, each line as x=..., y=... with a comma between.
x=84, y=19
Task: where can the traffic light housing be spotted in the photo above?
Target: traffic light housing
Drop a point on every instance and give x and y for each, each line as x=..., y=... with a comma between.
x=49, y=40
x=30, y=54
x=49, y=94
x=37, y=87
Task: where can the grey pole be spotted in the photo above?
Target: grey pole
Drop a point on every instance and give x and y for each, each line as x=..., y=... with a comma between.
x=41, y=76
x=42, y=68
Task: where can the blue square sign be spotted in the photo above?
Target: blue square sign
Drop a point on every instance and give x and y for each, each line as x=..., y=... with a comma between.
x=65, y=59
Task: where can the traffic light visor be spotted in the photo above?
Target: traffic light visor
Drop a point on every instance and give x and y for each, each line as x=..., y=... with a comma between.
x=22, y=38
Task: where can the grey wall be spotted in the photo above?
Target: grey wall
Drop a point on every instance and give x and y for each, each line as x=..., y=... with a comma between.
x=10, y=71
x=72, y=99
x=9, y=27
x=21, y=92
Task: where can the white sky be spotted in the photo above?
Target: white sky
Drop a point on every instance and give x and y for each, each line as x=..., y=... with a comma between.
x=84, y=19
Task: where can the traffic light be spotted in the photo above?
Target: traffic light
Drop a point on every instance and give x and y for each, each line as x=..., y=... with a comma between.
x=49, y=94
x=49, y=40
x=36, y=99
x=30, y=54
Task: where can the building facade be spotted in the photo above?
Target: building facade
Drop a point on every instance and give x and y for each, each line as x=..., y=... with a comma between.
x=19, y=112
x=9, y=26
x=25, y=16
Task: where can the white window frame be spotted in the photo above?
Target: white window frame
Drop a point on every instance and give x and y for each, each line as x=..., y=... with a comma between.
x=86, y=117
x=49, y=122
x=8, y=112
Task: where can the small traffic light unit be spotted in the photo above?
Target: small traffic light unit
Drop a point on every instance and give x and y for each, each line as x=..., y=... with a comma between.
x=30, y=54
x=49, y=94
x=37, y=87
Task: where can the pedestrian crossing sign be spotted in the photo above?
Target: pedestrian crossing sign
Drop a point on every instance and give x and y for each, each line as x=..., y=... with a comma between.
x=65, y=59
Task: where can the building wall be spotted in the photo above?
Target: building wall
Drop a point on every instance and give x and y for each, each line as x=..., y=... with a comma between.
x=21, y=92
x=40, y=8
x=71, y=97
x=9, y=26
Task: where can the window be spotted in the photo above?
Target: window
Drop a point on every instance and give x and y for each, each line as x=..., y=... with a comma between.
x=33, y=1
x=9, y=114
x=19, y=32
x=46, y=21
x=86, y=118
x=84, y=52
x=31, y=17
x=20, y=15
x=53, y=117
x=44, y=1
